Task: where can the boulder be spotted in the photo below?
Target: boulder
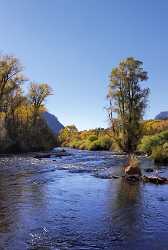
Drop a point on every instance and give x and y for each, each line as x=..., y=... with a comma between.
x=132, y=173
x=132, y=170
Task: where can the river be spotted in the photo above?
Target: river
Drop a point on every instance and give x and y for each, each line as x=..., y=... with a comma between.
x=70, y=203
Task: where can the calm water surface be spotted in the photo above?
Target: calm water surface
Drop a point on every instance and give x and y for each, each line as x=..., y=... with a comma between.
x=62, y=204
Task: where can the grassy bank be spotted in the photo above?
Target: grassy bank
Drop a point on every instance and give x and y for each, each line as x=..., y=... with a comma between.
x=154, y=139
x=156, y=146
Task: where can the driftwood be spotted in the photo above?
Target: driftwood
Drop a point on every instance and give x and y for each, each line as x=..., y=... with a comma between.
x=146, y=179
x=155, y=179
x=133, y=174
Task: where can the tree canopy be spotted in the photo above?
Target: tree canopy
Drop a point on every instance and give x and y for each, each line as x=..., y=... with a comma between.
x=20, y=128
x=128, y=100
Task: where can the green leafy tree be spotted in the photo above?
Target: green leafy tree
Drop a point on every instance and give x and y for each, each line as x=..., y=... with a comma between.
x=128, y=100
x=67, y=134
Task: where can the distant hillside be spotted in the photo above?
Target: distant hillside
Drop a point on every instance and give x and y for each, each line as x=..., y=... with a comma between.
x=52, y=122
x=162, y=116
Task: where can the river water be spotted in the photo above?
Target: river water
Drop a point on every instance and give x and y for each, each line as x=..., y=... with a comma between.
x=70, y=203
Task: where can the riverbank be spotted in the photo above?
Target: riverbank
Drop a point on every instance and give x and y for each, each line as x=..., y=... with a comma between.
x=39, y=155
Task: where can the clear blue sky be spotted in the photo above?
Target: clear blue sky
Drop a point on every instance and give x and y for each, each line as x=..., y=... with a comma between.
x=73, y=45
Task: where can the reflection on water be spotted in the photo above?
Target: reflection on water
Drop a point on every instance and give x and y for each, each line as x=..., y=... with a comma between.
x=57, y=205
x=129, y=207
x=128, y=194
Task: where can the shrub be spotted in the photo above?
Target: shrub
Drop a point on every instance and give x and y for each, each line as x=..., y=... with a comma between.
x=95, y=145
x=156, y=146
x=105, y=142
x=75, y=144
x=92, y=138
x=95, y=139
x=83, y=145
x=160, y=154
x=149, y=142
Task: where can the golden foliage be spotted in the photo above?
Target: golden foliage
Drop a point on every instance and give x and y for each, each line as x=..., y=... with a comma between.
x=152, y=127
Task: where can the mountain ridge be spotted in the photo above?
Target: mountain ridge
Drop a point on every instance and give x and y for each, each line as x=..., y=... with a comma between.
x=162, y=116
x=52, y=121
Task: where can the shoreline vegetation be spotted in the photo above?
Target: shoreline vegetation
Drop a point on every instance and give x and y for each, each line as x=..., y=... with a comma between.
x=128, y=132
x=23, y=129
x=154, y=141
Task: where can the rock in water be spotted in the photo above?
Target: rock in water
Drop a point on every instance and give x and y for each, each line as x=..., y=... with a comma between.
x=132, y=170
x=149, y=170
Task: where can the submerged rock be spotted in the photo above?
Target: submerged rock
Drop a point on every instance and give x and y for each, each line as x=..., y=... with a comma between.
x=106, y=174
x=149, y=170
x=115, y=176
x=133, y=178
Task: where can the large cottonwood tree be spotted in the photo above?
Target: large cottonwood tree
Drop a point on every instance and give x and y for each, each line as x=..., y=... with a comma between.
x=128, y=99
x=20, y=130
x=37, y=96
x=11, y=78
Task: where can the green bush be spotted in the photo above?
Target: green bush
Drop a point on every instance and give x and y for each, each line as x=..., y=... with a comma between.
x=75, y=144
x=149, y=142
x=160, y=153
x=105, y=142
x=85, y=140
x=156, y=146
x=92, y=138
x=95, y=145
x=83, y=145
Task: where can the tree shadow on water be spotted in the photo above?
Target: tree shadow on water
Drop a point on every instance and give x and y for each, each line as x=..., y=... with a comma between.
x=127, y=211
